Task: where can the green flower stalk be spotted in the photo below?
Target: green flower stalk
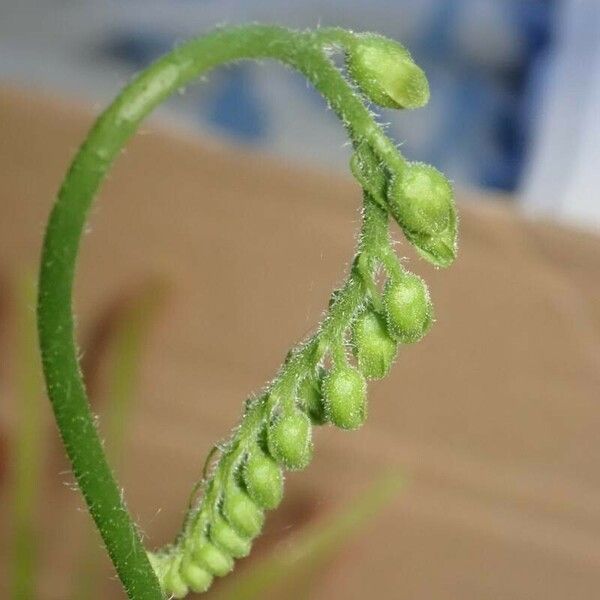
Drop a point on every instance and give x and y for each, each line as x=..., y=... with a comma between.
x=319, y=382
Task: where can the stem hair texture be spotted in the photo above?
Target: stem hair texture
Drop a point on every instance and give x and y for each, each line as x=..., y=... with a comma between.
x=324, y=378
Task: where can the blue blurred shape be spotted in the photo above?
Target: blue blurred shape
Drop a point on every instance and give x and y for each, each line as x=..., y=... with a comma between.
x=235, y=108
x=137, y=48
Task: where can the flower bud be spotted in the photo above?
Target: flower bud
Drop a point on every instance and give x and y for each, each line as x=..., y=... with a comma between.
x=241, y=513
x=310, y=396
x=422, y=202
x=175, y=586
x=345, y=393
x=263, y=479
x=408, y=308
x=228, y=540
x=373, y=346
x=386, y=73
x=195, y=577
x=290, y=440
x=421, y=199
x=212, y=559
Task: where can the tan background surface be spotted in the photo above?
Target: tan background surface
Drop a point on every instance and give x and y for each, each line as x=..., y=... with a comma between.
x=495, y=416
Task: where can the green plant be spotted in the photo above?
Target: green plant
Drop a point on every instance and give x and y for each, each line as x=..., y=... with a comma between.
x=275, y=430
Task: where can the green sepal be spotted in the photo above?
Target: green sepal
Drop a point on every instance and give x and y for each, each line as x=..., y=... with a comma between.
x=345, y=392
x=441, y=249
x=175, y=585
x=408, y=308
x=195, y=577
x=290, y=439
x=241, y=512
x=386, y=73
x=372, y=345
x=227, y=539
x=263, y=479
x=421, y=200
x=212, y=559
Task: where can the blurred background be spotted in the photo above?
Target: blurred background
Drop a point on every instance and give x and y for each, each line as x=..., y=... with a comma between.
x=215, y=245
x=515, y=83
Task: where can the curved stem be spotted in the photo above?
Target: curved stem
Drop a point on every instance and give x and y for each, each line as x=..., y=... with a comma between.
x=115, y=126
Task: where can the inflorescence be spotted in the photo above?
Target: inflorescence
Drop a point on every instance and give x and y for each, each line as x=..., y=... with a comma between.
x=379, y=307
x=323, y=380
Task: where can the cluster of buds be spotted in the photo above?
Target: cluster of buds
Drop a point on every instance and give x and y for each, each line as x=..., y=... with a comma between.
x=419, y=197
x=421, y=200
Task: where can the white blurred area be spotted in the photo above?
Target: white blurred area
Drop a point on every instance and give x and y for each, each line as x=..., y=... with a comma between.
x=563, y=176
x=59, y=45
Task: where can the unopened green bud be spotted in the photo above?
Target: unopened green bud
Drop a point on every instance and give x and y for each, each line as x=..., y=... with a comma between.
x=290, y=440
x=373, y=346
x=408, y=308
x=228, y=540
x=212, y=559
x=196, y=578
x=263, y=479
x=175, y=586
x=241, y=512
x=386, y=73
x=345, y=392
x=311, y=397
x=421, y=199
x=422, y=202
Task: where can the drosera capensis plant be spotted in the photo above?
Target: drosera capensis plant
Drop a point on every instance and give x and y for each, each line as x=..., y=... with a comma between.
x=323, y=379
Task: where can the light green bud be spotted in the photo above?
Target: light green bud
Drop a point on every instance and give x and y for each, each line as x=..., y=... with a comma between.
x=311, y=397
x=263, y=479
x=212, y=559
x=175, y=586
x=408, y=308
x=196, y=578
x=228, y=540
x=241, y=512
x=345, y=393
x=439, y=250
x=421, y=200
x=373, y=346
x=386, y=73
x=290, y=440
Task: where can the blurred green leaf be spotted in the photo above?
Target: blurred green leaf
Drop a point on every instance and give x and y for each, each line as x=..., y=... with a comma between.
x=27, y=457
